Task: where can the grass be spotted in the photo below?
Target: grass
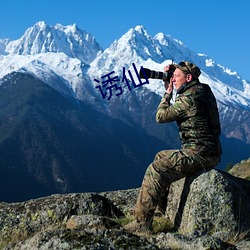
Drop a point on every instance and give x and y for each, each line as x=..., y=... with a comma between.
x=238, y=237
x=160, y=223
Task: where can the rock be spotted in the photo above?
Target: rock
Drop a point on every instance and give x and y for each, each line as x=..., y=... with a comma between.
x=124, y=199
x=178, y=241
x=243, y=245
x=241, y=169
x=85, y=239
x=209, y=210
x=20, y=220
x=212, y=202
x=90, y=221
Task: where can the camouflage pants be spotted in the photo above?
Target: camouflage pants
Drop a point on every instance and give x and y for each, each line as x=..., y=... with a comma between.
x=167, y=167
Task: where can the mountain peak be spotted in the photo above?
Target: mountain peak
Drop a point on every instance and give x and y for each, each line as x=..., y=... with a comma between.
x=41, y=24
x=69, y=28
x=140, y=29
x=42, y=38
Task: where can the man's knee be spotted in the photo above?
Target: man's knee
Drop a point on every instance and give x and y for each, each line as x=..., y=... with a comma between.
x=162, y=160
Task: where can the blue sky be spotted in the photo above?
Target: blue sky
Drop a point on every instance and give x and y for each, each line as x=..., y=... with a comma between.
x=218, y=28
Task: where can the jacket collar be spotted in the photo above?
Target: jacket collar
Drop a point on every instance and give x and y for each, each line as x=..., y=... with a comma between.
x=187, y=85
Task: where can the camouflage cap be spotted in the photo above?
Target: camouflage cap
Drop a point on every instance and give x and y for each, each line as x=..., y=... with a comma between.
x=189, y=68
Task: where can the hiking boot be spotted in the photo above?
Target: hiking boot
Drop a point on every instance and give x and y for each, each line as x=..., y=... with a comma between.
x=140, y=227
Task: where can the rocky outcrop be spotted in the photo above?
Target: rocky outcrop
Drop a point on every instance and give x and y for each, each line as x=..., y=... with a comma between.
x=210, y=202
x=241, y=169
x=209, y=210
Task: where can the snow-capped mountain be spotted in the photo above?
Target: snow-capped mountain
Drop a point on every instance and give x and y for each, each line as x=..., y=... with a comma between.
x=64, y=73
x=69, y=59
x=58, y=55
x=41, y=38
x=137, y=47
x=68, y=52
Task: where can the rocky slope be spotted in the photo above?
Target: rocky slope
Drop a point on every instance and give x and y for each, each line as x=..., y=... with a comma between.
x=207, y=211
x=50, y=143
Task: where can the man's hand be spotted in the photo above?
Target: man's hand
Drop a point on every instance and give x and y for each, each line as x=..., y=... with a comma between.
x=168, y=85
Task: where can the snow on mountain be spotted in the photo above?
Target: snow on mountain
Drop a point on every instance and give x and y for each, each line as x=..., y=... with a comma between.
x=57, y=55
x=138, y=47
x=135, y=46
x=42, y=38
x=63, y=73
x=3, y=43
x=69, y=59
x=73, y=55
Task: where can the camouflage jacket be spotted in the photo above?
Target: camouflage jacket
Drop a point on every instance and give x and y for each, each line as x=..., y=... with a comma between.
x=195, y=111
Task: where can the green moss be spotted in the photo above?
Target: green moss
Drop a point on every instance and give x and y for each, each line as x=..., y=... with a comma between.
x=34, y=216
x=51, y=214
x=123, y=220
x=162, y=224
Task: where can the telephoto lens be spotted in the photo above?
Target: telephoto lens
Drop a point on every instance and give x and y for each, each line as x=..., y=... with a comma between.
x=148, y=73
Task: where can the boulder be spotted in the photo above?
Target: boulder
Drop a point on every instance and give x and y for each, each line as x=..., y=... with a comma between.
x=210, y=202
x=179, y=241
x=19, y=221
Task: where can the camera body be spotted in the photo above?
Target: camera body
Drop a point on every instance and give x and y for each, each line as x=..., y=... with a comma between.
x=148, y=73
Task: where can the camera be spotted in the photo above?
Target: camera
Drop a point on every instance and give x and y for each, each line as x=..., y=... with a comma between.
x=148, y=73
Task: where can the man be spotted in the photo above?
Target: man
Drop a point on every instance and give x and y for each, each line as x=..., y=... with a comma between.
x=195, y=111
